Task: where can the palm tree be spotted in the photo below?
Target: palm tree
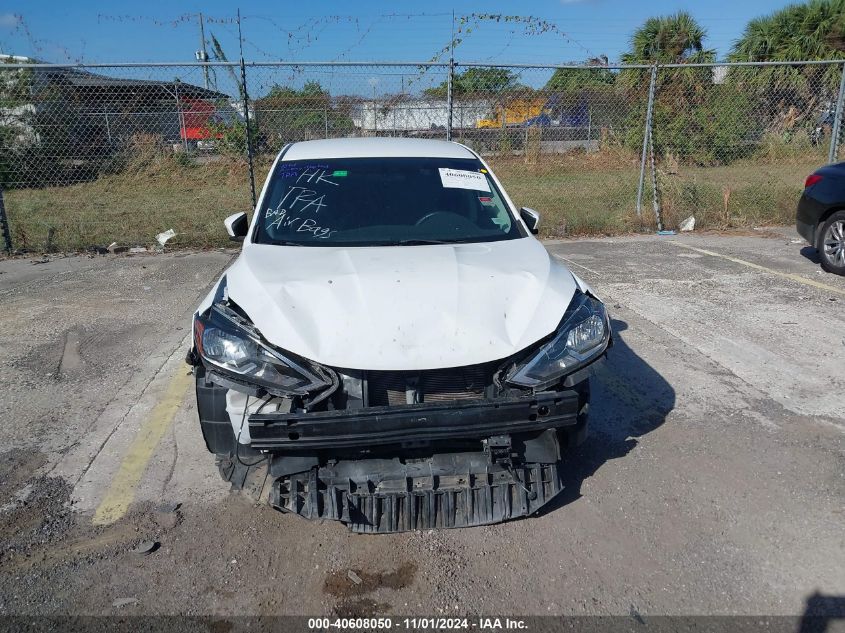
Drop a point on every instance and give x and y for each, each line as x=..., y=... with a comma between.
x=793, y=96
x=690, y=117
x=815, y=30
x=669, y=39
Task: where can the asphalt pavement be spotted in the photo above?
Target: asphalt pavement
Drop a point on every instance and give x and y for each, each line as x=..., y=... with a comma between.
x=713, y=481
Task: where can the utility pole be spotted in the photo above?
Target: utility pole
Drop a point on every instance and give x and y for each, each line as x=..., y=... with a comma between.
x=201, y=54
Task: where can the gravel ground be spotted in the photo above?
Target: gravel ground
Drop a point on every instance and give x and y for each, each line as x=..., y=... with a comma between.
x=712, y=483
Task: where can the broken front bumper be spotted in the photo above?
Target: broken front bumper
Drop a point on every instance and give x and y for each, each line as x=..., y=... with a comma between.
x=420, y=499
x=413, y=424
x=513, y=473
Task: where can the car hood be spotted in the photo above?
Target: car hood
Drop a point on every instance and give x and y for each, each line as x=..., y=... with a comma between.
x=402, y=307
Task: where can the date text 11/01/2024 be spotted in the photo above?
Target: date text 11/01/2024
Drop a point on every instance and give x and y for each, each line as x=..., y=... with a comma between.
x=412, y=624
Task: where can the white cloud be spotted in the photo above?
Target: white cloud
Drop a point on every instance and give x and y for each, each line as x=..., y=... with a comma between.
x=8, y=20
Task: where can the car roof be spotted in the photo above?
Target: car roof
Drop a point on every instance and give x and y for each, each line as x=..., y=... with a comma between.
x=375, y=147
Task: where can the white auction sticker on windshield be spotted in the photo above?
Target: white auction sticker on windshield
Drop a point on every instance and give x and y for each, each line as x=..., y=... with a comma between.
x=462, y=179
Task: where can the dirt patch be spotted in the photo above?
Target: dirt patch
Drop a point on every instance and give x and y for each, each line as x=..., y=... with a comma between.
x=42, y=360
x=83, y=353
x=17, y=467
x=359, y=608
x=41, y=516
x=340, y=585
x=45, y=548
x=350, y=586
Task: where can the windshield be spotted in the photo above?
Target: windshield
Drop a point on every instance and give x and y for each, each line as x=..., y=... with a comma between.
x=383, y=201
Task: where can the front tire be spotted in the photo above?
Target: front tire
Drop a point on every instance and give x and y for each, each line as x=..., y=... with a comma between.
x=831, y=244
x=572, y=437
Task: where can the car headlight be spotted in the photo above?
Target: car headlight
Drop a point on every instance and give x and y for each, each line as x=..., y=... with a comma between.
x=229, y=343
x=583, y=336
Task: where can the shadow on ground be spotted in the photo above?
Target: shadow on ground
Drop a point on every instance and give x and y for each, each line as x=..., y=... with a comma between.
x=823, y=613
x=811, y=253
x=629, y=399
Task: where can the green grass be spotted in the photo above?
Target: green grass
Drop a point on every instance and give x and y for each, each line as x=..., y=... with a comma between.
x=596, y=197
x=132, y=207
x=576, y=194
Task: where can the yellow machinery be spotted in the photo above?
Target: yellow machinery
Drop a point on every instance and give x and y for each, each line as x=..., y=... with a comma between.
x=516, y=112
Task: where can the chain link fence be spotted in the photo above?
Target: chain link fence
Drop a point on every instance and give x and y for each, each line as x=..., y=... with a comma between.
x=91, y=155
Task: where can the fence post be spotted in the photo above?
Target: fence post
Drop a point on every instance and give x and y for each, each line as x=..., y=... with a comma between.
x=450, y=80
x=108, y=127
x=4, y=225
x=646, y=138
x=654, y=201
x=837, y=121
x=245, y=97
x=183, y=129
x=449, y=99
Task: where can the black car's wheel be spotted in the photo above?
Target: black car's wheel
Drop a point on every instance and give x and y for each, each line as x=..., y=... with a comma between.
x=831, y=244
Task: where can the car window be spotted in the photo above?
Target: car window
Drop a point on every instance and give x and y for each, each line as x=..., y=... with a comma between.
x=383, y=201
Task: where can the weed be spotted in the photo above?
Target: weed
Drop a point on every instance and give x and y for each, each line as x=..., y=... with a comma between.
x=577, y=194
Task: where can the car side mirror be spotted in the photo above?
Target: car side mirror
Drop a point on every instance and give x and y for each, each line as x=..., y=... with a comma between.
x=237, y=226
x=531, y=219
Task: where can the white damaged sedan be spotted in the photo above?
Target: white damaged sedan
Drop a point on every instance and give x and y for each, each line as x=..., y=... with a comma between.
x=393, y=346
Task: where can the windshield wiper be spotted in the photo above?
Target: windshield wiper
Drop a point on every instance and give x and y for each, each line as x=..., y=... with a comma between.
x=419, y=242
x=282, y=243
x=424, y=242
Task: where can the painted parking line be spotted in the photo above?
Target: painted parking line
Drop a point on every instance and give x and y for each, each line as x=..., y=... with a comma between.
x=573, y=263
x=771, y=271
x=122, y=489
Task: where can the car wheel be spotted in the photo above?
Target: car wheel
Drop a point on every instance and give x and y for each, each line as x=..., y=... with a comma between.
x=571, y=437
x=831, y=245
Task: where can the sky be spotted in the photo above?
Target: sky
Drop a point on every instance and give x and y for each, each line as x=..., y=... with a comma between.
x=367, y=30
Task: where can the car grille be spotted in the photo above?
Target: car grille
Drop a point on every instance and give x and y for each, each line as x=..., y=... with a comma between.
x=389, y=388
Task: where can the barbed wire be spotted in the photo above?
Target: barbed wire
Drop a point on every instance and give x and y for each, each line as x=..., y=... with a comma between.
x=360, y=40
x=39, y=46
x=306, y=34
x=184, y=18
x=532, y=25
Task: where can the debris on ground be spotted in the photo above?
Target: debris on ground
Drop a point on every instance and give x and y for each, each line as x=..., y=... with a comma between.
x=354, y=577
x=114, y=249
x=98, y=250
x=162, y=238
x=138, y=249
x=122, y=602
x=43, y=260
x=168, y=516
x=688, y=224
x=668, y=232
x=146, y=547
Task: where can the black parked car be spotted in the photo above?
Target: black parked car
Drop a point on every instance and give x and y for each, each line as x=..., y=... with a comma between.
x=821, y=215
